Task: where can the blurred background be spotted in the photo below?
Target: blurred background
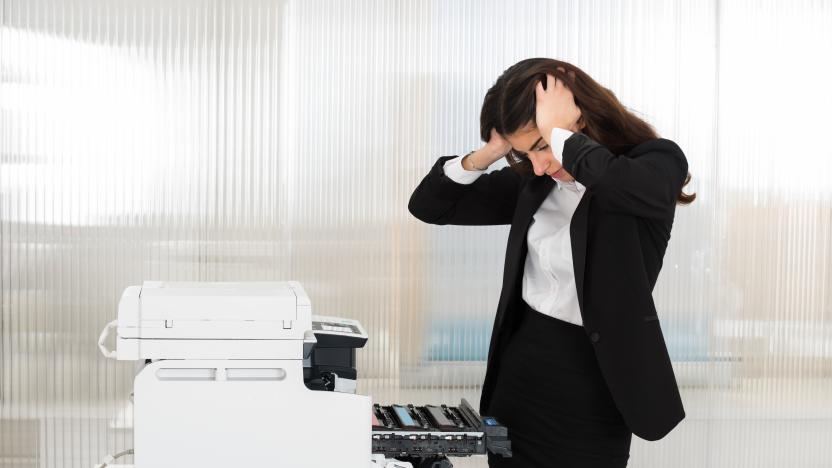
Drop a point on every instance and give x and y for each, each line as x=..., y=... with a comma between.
x=241, y=140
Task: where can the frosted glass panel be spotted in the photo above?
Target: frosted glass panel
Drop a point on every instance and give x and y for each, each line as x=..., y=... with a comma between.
x=269, y=140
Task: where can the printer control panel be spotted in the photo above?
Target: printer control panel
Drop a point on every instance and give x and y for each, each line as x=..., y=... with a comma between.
x=336, y=332
x=335, y=327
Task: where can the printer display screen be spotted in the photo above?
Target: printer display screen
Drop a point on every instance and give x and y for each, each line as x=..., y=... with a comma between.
x=335, y=327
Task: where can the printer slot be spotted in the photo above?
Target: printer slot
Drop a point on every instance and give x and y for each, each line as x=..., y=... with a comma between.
x=405, y=418
x=439, y=419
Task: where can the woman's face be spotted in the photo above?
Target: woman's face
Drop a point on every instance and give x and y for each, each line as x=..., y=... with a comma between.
x=529, y=143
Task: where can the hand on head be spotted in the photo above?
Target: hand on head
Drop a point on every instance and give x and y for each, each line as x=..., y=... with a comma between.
x=555, y=107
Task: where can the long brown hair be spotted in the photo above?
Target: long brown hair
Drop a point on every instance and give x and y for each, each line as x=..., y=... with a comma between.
x=510, y=105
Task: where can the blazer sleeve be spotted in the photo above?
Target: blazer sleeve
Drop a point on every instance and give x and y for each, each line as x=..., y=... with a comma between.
x=644, y=183
x=489, y=200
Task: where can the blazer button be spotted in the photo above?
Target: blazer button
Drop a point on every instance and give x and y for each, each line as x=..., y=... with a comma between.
x=595, y=337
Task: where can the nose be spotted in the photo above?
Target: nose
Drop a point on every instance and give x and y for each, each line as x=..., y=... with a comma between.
x=539, y=162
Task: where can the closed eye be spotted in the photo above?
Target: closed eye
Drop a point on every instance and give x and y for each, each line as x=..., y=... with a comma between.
x=524, y=155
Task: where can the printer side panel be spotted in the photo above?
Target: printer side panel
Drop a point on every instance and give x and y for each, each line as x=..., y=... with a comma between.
x=221, y=413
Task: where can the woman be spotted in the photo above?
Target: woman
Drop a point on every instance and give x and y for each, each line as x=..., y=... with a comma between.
x=577, y=361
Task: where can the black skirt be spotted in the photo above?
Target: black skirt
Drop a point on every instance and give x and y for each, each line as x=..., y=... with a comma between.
x=552, y=397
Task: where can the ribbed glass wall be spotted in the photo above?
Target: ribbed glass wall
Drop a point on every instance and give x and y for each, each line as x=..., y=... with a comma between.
x=268, y=140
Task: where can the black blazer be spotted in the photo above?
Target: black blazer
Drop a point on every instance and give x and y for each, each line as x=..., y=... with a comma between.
x=620, y=230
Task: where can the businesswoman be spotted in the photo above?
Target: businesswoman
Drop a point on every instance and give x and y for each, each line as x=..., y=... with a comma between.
x=577, y=361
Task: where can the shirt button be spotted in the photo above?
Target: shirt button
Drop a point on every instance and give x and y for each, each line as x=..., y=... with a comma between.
x=595, y=337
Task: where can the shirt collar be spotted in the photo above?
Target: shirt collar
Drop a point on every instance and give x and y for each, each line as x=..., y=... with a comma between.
x=580, y=188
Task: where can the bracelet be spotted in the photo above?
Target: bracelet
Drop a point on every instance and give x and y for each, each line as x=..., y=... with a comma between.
x=472, y=162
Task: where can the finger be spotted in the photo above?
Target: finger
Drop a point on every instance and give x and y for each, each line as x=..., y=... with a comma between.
x=558, y=83
x=562, y=70
x=551, y=81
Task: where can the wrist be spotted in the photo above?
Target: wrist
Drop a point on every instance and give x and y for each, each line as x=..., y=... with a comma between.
x=487, y=155
x=470, y=164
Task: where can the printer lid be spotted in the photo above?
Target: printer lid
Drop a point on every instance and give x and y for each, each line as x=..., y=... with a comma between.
x=214, y=320
x=226, y=301
x=264, y=310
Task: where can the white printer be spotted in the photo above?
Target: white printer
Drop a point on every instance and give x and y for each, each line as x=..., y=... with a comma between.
x=226, y=377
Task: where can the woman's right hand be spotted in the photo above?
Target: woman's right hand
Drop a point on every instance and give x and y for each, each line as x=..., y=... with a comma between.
x=495, y=149
x=498, y=144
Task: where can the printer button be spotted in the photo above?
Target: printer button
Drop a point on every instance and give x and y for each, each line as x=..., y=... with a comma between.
x=595, y=337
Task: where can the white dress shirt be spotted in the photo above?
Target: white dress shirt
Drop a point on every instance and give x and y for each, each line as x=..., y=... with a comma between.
x=548, y=274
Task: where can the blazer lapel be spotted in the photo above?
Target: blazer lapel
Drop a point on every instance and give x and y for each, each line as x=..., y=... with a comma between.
x=578, y=229
x=535, y=192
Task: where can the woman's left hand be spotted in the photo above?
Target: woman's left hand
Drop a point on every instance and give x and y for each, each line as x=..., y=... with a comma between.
x=555, y=107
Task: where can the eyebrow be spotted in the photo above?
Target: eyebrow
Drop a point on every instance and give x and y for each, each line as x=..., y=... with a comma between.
x=535, y=144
